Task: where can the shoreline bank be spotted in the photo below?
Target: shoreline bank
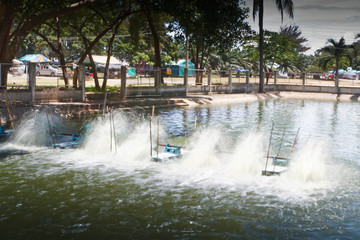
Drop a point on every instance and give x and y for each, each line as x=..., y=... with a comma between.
x=71, y=109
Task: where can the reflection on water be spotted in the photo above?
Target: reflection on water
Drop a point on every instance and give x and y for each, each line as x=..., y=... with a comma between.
x=214, y=191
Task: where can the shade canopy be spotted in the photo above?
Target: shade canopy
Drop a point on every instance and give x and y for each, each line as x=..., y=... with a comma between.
x=177, y=69
x=37, y=58
x=100, y=61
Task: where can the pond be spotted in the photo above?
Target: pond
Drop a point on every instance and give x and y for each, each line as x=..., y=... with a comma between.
x=215, y=191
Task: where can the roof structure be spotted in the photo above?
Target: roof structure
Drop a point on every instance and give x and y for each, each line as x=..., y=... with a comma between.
x=100, y=61
x=37, y=58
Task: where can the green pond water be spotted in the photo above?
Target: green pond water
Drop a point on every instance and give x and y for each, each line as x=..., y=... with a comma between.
x=215, y=191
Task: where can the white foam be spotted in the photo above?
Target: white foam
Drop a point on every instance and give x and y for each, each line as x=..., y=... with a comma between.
x=33, y=130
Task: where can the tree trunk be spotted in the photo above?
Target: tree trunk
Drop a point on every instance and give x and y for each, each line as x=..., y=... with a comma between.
x=94, y=72
x=61, y=53
x=90, y=46
x=197, y=62
x=261, y=45
x=63, y=68
x=109, y=53
x=58, y=50
x=156, y=42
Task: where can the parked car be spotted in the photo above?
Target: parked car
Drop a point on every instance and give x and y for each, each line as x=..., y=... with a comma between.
x=236, y=72
x=320, y=76
x=282, y=74
x=48, y=70
x=348, y=75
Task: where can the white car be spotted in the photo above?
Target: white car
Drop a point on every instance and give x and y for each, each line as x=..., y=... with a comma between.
x=282, y=75
x=48, y=70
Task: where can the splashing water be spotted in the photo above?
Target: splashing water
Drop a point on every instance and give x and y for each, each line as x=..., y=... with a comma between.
x=309, y=163
x=100, y=137
x=215, y=188
x=33, y=130
x=248, y=157
x=202, y=149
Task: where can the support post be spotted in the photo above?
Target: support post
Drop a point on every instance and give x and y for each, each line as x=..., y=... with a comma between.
x=82, y=82
x=210, y=80
x=186, y=81
x=304, y=80
x=123, y=82
x=157, y=76
x=247, y=81
x=230, y=81
x=32, y=81
x=275, y=80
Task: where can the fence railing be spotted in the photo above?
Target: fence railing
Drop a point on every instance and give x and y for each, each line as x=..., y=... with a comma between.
x=18, y=78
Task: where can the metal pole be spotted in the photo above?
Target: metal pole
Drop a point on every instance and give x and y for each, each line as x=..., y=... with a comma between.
x=105, y=97
x=185, y=130
x=157, y=140
x=267, y=155
x=112, y=116
x=150, y=138
x=111, y=134
x=295, y=141
x=152, y=115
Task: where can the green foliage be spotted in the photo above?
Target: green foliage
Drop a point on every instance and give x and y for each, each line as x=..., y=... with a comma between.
x=209, y=25
x=335, y=55
x=279, y=49
x=313, y=69
x=354, y=53
x=136, y=26
x=293, y=32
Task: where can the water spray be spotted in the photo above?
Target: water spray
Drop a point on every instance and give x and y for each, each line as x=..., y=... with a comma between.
x=268, y=151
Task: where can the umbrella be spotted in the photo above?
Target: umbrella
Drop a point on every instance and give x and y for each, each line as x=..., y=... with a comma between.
x=38, y=58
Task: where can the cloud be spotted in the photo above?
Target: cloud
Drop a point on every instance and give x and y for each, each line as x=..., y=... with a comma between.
x=317, y=7
x=349, y=7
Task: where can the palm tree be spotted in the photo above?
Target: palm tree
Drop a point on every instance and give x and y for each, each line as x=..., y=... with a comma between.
x=355, y=51
x=355, y=46
x=335, y=51
x=258, y=6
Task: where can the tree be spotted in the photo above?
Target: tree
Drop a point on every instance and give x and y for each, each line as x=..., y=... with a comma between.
x=355, y=52
x=109, y=54
x=54, y=30
x=223, y=60
x=155, y=16
x=258, y=7
x=294, y=33
x=279, y=49
x=335, y=51
x=92, y=25
x=208, y=25
x=19, y=17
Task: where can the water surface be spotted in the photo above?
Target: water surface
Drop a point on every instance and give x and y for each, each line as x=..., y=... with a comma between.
x=215, y=191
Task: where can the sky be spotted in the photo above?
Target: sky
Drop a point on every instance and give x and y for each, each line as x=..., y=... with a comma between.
x=319, y=20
